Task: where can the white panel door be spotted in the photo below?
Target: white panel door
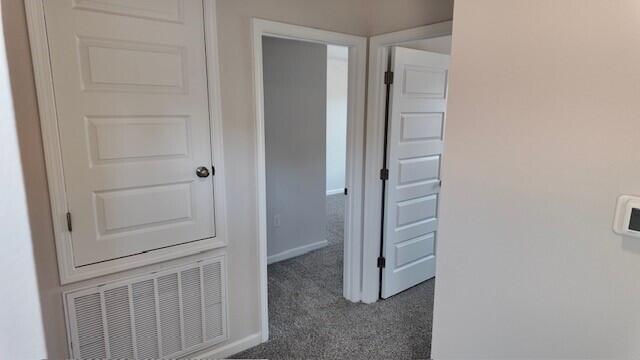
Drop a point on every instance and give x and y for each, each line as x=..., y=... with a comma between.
x=130, y=87
x=416, y=121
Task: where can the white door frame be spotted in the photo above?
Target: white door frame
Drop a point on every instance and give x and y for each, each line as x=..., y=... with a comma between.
x=355, y=151
x=53, y=156
x=378, y=61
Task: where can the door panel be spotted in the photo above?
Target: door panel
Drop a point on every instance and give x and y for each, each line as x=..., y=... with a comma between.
x=420, y=169
x=414, y=249
x=141, y=67
x=163, y=10
x=151, y=206
x=421, y=127
x=131, y=95
x=415, y=210
x=137, y=138
x=415, y=136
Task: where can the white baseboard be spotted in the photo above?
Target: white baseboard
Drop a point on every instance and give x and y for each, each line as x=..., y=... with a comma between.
x=230, y=349
x=288, y=254
x=335, y=191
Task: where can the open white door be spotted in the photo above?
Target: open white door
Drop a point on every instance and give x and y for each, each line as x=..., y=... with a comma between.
x=417, y=106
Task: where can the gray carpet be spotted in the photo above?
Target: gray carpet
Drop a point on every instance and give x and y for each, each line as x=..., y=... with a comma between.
x=309, y=318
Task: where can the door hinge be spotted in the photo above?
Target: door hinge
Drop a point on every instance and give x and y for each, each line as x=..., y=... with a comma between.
x=346, y=191
x=69, y=227
x=384, y=174
x=382, y=262
x=388, y=77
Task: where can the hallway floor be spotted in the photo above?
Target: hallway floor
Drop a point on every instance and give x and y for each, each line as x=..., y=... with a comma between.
x=309, y=318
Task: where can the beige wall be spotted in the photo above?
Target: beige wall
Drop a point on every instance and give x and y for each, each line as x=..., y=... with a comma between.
x=21, y=323
x=393, y=15
x=440, y=44
x=543, y=134
x=28, y=126
x=358, y=17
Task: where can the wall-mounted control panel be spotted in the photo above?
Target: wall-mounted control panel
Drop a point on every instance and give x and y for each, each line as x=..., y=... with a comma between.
x=627, y=218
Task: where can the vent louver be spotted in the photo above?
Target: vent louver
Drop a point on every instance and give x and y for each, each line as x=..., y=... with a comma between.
x=164, y=314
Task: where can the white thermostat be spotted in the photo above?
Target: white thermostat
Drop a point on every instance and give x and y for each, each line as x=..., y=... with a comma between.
x=627, y=218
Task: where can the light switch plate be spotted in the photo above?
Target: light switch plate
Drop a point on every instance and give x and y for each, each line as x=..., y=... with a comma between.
x=622, y=218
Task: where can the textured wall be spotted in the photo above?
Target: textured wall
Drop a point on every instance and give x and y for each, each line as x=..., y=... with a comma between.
x=541, y=138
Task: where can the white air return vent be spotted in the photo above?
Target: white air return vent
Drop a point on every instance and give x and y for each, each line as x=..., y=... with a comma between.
x=165, y=314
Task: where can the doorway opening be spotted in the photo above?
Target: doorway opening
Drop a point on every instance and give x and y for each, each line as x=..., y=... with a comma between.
x=337, y=90
x=422, y=169
x=305, y=119
x=310, y=150
x=363, y=215
x=405, y=136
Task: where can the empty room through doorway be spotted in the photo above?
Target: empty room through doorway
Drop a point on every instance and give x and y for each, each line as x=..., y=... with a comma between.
x=305, y=105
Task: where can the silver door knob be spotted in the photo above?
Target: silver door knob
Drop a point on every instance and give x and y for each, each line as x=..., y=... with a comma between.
x=202, y=172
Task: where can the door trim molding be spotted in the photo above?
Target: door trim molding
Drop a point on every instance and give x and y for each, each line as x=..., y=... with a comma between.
x=378, y=60
x=53, y=157
x=355, y=151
